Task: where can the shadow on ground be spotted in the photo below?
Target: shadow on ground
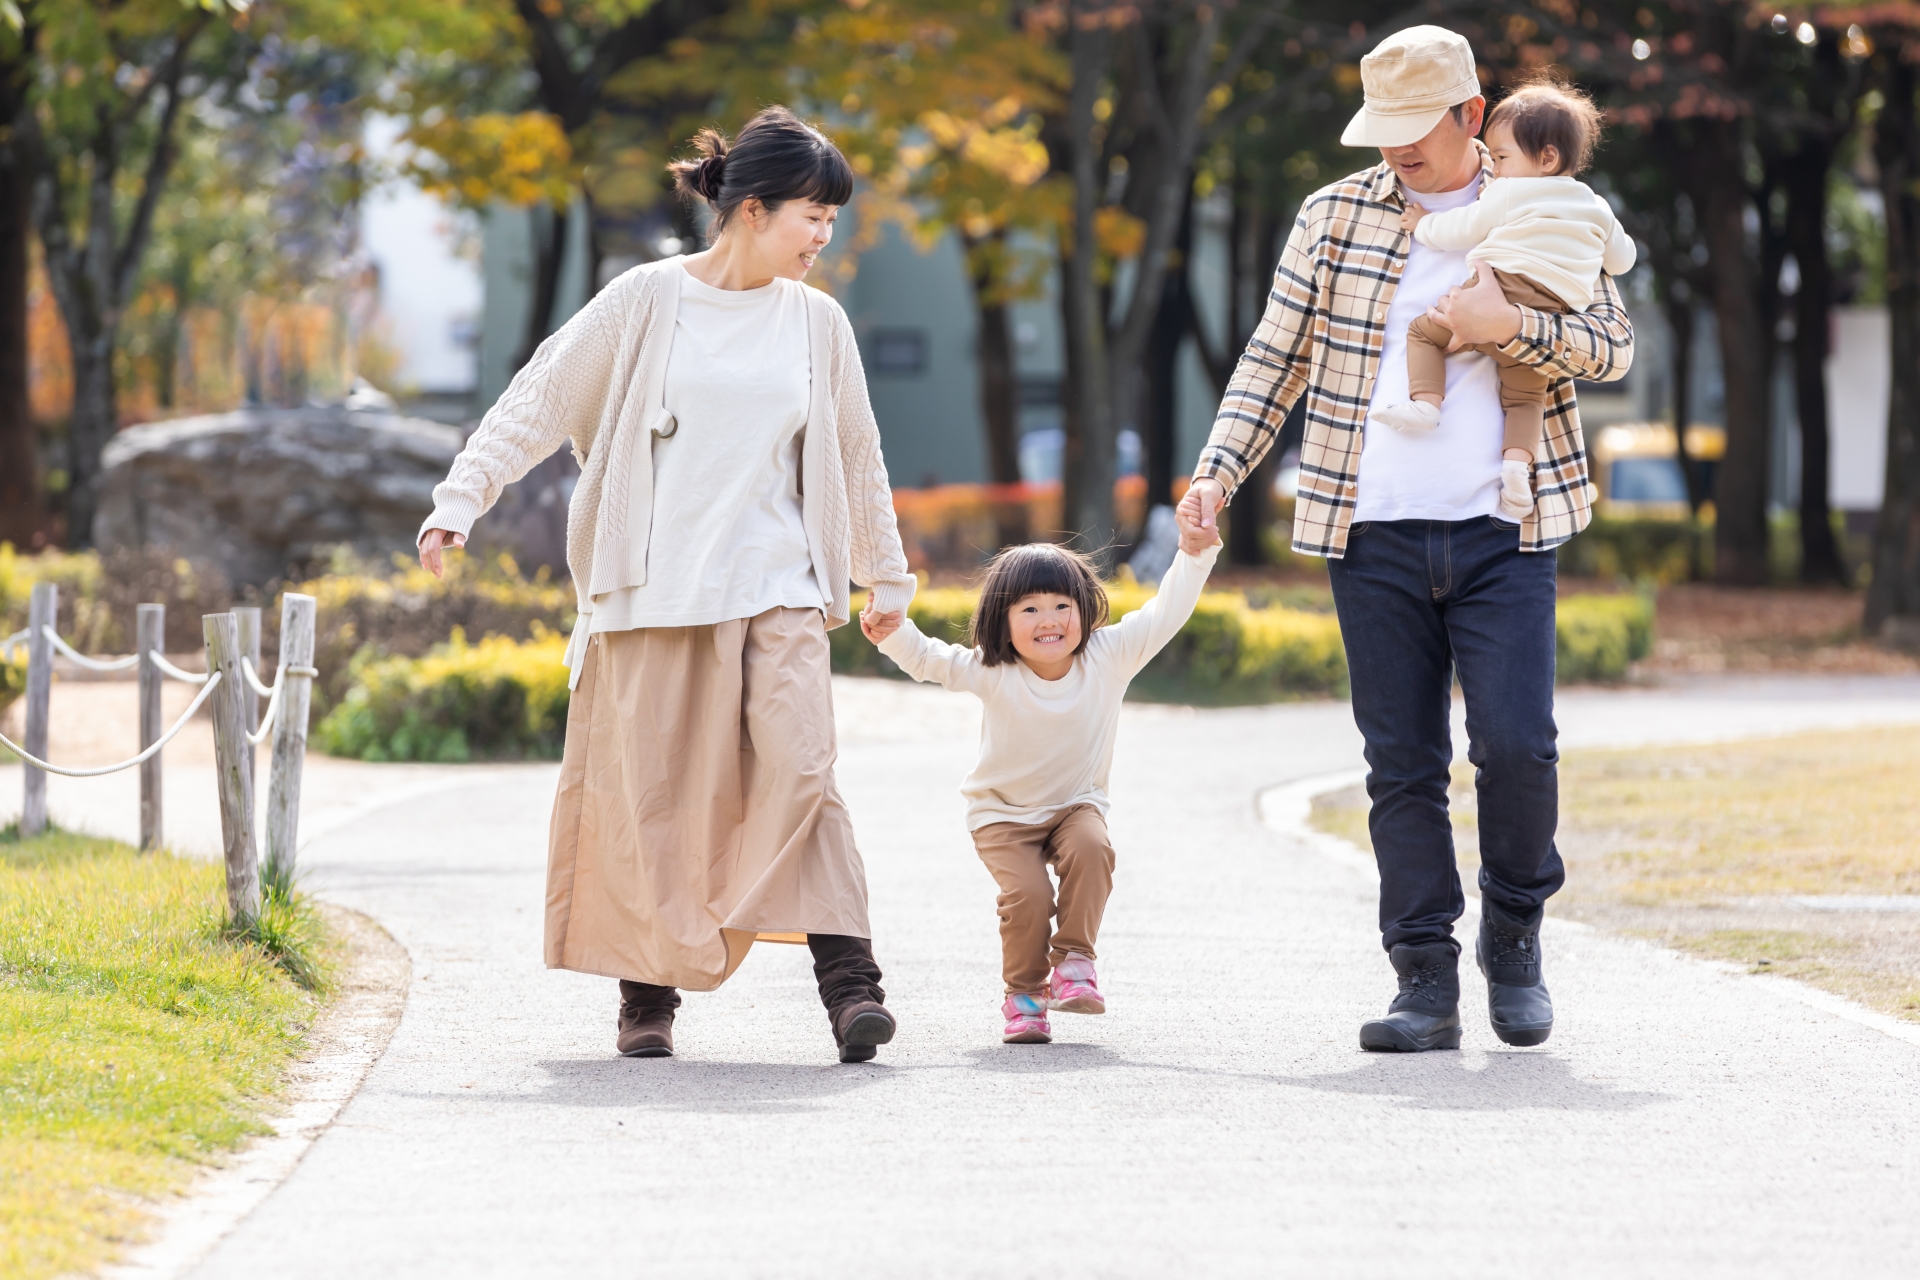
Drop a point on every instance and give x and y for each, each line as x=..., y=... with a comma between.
x=1443, y=1081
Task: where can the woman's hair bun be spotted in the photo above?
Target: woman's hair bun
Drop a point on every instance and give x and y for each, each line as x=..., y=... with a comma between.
x=703, y=176
x=707, y=177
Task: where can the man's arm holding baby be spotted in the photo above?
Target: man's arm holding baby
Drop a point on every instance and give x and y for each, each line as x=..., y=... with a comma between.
x=1595, y=344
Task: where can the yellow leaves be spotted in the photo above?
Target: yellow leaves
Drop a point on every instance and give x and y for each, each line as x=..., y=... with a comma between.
x=522, y=159
x=1015, y=155
x=1118, y=233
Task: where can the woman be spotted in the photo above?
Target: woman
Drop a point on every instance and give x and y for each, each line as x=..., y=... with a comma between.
x=731, y=483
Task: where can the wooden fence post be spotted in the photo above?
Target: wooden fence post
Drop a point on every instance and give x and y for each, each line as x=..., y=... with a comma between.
x=235, y=782
x=150, y=637
x=248, y=618
x=41, y=613
x=297, y=613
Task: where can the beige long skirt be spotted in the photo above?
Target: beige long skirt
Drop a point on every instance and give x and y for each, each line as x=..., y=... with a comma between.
x=697, y=810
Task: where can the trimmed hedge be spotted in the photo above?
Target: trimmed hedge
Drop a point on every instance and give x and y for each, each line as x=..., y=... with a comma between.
x=1231, y=654
x=507, y=699
x=367, y=612
x=1597, y=636
x=501, y=699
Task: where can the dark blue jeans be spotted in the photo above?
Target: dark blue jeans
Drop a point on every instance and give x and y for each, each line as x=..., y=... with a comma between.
x=1419, y=600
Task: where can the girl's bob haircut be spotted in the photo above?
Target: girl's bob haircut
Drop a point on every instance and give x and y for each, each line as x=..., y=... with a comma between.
x=1038, y=568
x=777, y=157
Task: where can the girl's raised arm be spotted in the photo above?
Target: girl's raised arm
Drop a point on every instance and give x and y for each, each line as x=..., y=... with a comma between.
x=935, y=661
x=1145, y=631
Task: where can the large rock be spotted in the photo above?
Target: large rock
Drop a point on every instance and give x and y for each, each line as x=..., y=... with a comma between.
x=256, y=493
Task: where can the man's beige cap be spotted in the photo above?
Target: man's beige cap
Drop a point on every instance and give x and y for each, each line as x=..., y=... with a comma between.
x=1411, y=78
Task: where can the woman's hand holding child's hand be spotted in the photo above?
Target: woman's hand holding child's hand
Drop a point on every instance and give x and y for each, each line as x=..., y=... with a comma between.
x=878, y=626
x=1193, y=538
x=1411, y=215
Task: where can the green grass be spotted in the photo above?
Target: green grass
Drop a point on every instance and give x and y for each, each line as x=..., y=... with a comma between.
x=136, y=1039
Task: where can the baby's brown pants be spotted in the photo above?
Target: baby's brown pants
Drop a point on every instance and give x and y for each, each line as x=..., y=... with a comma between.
x=1075, y=842
x=1523, y=388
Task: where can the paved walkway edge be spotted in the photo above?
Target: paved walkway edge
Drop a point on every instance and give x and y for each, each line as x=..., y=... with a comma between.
x=1288, y=809
x=348, y=1036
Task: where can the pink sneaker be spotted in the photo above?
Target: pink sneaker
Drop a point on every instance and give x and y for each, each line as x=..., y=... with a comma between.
x=1075, y=988
x=1026, y=1021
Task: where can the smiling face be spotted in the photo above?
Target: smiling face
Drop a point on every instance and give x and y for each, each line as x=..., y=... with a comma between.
x=1046, y=631
x=1509, y=161
x=1444, y=160
x=786, y=241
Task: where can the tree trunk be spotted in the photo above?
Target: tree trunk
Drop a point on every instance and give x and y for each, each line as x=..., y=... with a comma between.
x=1893, y=597
x=1087, y=489
x=999, y=386
x=1679, y=306
x=1806, y=181
x=1740, y=494
x=19, y=467
x=549, y=226
x=1159, y=380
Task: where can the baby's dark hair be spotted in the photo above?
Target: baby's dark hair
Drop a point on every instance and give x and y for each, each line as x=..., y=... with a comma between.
x=1037, y=567
x=777, y=157
x=1549, y=112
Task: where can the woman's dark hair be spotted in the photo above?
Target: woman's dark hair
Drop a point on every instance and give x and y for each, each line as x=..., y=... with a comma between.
x=778, y=157
x=1037, y=567
x=1551, y=113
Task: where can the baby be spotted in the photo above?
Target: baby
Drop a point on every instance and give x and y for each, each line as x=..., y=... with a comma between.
x=1545, y=236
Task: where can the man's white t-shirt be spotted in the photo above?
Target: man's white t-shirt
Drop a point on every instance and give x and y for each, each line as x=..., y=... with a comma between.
x=1452, y=472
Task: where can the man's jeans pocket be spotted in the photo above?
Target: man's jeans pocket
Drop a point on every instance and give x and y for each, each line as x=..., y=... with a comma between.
x=1502, y=525
x=1354, y=531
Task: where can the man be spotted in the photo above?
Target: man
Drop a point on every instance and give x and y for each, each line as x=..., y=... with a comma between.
x=1427, y=580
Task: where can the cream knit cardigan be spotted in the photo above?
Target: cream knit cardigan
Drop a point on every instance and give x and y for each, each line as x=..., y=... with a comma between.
x=600, y=383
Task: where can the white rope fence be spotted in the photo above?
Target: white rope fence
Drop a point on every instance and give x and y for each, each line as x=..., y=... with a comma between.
x=272, y=694
x=172, y=672
x=233, y=660
x=105, y=769
x=82, y=660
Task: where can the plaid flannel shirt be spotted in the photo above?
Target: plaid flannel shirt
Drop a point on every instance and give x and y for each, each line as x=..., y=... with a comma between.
x=1322, y=333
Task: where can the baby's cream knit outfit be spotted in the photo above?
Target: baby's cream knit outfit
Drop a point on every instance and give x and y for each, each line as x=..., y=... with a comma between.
x=1554, y=231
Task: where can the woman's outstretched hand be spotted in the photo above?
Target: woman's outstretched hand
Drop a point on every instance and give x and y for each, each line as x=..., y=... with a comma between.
x=431, y=543
x=878, y=626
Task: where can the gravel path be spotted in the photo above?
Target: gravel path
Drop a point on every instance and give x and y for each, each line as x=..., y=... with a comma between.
x=1219, y=1122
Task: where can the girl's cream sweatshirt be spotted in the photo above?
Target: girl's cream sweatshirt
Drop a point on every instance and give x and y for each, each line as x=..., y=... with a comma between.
x=1554, y=231
x=1047, y=745
x=600, y=385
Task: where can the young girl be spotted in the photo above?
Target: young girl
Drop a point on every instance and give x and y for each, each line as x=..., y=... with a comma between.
x=1051, y=676
x=1545, y=236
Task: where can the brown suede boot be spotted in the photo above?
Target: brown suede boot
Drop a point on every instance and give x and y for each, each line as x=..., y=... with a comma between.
x=859, y=1028
x=646, y=1020
x=646, y=1033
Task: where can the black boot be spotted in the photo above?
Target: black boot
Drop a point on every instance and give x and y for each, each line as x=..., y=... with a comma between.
x=1509, y=955
x=850, y=989
x=1426, y=1013
x=646, y=1020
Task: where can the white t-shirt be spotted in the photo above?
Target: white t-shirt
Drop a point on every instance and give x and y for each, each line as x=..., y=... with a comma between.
x=1452, y=472
x=728, y=540
x=1047, y=745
